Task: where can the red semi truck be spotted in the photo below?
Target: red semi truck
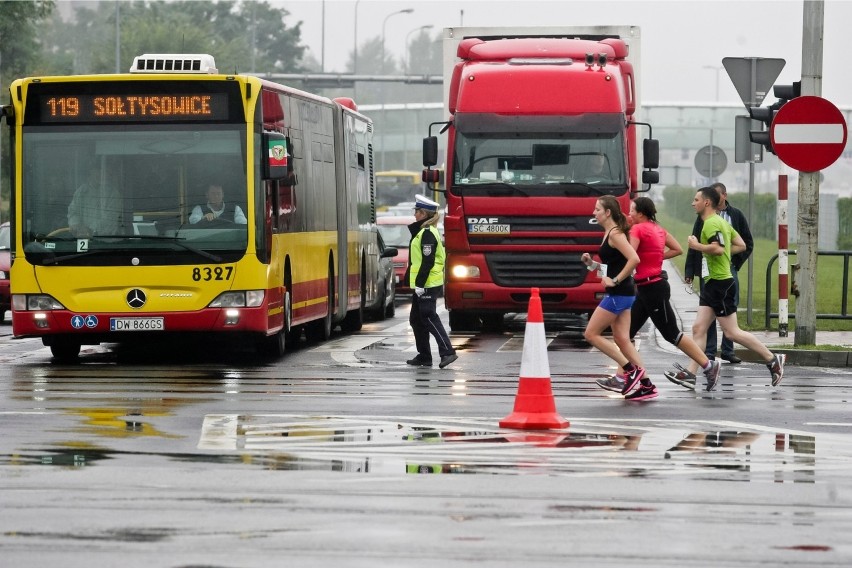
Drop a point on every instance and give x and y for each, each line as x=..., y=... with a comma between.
x=541, y=123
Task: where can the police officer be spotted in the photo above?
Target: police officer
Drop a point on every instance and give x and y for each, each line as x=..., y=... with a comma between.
x=425, y=275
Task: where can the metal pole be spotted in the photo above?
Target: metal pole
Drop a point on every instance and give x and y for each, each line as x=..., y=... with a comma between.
x=750, y=220
x=117, y=38
x=382, y=87
x=783, y=263
x=355, y=52
x=813, y=16
x=751, y=257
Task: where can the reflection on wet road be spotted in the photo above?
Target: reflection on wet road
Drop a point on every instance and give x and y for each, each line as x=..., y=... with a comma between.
x=737, y=452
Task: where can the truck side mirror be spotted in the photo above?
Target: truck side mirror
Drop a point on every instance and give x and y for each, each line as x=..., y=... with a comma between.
x=651, y=153
x=650, y=176
x=430, y=151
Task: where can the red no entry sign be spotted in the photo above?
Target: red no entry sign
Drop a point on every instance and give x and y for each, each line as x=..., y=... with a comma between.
x=808, y=134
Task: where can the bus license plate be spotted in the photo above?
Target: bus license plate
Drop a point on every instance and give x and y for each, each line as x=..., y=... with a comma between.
x=136, y=324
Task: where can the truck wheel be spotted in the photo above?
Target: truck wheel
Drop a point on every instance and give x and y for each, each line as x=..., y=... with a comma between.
x=492, y=322
x=463, y=321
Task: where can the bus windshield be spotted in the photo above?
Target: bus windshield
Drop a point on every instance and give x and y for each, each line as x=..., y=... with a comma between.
x=168, y=194
x=539, y=164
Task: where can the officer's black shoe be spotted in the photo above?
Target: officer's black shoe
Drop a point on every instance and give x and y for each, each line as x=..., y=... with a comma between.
x=447, y=360
x=732, y=358
x=418, y=362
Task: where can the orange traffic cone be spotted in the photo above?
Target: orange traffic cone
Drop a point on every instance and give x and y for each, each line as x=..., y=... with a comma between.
x=535, y=408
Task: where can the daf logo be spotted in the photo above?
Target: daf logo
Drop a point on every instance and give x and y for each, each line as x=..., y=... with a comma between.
x=593, y=221
x=136, y=298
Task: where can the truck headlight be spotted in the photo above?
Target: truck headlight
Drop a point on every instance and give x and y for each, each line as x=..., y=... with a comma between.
x=462, y=271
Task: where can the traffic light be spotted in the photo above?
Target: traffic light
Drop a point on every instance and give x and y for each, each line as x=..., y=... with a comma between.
x=766, y=114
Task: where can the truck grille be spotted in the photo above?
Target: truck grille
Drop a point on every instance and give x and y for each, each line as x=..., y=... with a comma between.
x=542, y=270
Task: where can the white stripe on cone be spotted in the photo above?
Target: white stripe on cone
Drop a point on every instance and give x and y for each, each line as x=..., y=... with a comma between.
x=534, y=362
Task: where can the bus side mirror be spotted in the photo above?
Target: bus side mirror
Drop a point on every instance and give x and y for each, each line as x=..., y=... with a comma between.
x=651, y=153
x=430, y=151
x=277, y=159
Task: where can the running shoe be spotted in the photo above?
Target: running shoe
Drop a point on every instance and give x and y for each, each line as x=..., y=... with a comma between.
x=712, y=375
x=644, y=392
x=776, y=368
x=632, y=378
x=614, y=383
x=682, y=377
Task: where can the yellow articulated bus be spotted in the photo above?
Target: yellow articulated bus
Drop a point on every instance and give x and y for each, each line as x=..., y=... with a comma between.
x=177, y=200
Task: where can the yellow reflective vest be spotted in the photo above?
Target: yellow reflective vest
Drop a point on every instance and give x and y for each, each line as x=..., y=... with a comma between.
x=417, y=251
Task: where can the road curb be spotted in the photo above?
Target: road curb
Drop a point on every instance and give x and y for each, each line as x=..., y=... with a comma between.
x=804, y=357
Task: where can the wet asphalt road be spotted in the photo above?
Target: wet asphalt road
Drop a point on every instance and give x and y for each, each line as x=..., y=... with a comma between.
x=340, y=454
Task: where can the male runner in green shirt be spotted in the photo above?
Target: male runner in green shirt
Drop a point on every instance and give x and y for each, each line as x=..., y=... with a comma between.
x=718, y=241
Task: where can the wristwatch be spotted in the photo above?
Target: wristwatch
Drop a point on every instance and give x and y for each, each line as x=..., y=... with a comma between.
x=615, y=281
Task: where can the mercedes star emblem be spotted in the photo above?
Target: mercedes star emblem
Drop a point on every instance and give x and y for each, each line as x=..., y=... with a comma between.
x=136, y=298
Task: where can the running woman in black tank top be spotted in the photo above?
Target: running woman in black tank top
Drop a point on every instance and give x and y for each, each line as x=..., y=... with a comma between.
x=614, y=310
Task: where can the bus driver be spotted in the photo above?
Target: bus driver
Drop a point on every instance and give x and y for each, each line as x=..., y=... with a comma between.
x=216, y=208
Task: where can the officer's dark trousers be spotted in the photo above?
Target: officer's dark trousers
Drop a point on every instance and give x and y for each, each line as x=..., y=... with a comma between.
x=424, y=320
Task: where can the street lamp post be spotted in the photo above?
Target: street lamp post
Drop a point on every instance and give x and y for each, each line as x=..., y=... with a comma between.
x=408, y=49
x=407, y=62
x=384, y=24
x=355, y=43
x=382, y=87
x=717, y=69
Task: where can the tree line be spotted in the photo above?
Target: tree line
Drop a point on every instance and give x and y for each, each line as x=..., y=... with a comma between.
x=244, y=36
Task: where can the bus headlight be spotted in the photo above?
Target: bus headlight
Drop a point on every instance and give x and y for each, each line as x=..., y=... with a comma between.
x=462, y=271
x=242, y=299
x=35, y=303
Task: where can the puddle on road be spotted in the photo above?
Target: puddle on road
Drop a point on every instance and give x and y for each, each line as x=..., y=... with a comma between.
x=389, y=446
x=411, y=446
x=728, y=451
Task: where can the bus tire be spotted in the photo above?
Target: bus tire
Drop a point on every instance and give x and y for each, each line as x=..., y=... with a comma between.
x=276, y=345
x=354, y=319
x=320, y=330
x=65, y=350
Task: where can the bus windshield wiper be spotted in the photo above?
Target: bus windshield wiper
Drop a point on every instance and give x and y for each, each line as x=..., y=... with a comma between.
x=50, y=260
x=176, y=240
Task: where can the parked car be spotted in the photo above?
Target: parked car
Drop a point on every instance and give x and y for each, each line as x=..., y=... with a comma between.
x=384, y=307
x=5, y=265
x=394, y=231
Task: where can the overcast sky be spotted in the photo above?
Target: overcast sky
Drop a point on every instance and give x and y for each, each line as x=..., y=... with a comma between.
x=683, y=42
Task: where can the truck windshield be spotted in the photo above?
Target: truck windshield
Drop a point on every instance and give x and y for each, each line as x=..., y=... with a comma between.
x=105, y=194
x=539, y=164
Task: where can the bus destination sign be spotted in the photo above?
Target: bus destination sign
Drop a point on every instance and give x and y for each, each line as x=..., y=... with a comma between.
x=133, y=108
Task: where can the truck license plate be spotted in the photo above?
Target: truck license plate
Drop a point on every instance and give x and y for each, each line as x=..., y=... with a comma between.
x=489, y=229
